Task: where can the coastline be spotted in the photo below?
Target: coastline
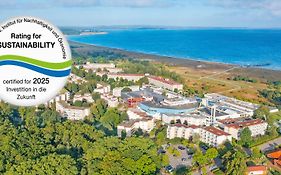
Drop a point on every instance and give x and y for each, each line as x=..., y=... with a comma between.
x=86, y=50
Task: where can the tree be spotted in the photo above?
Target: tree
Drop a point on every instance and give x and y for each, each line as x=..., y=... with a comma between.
x=111, y=118
x=256, y=154
x=246, y=137
x=96, y=96
x=211, y=153
x=47, y=165
x=262, y=112
x=199, y=158
x=183, y=170
x=78, y=103
x=165, y=160
x=235, y=162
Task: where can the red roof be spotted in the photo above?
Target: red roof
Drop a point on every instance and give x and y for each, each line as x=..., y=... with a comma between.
x=163, y=80
x=127, y=75
x=215, y=131
x=275, y=154
x=256, y=168
x=240, y=122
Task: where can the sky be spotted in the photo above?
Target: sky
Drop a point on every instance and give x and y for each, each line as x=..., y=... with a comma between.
x=183, y=13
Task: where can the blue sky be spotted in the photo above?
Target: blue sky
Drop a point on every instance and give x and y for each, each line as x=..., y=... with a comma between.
x=190, y=13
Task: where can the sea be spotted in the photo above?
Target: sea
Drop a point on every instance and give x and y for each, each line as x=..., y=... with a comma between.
x=245, y=47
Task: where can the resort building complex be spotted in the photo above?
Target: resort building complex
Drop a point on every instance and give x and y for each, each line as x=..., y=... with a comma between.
x=214, y=118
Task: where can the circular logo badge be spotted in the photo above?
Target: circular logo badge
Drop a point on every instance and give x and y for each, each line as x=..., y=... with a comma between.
x=35, y=61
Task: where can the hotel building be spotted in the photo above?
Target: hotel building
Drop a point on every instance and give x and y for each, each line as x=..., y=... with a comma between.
x=79, y=97
x=235, y=126
x=102, y=88
x=111, y=100
x=213, y=136
x=164, y=83
x=182, y=131
x=137, y=120
x=72, y=112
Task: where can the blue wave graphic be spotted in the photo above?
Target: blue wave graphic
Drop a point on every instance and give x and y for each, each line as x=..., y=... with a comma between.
x=44, y=71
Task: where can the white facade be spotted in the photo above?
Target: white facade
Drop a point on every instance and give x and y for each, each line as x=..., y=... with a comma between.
x=61, y=97
x=117, y=91
x=235, y=126
x=145, y=124
x=102, y=88
x=72, y=112
x=95, y=66
x=214, y=136
x=129, y=77
x=114, y=70
x=76, y=79
x=185, y=118
x=111, y=100
x=88, y=97
x=165, y=83
x=181, y=131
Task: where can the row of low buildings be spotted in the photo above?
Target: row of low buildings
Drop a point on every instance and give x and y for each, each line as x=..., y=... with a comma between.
x=216, y=135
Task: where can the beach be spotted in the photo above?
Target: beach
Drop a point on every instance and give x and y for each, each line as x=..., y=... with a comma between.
x=86, y=50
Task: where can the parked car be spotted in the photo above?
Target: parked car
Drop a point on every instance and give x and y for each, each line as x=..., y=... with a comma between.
x=183, y=159
x=181, y=147
x=161, y=151
x=205, y=147
x=169, y=168
x=213, y=167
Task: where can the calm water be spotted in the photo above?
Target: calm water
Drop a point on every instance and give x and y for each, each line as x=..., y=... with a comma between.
x=243, y=47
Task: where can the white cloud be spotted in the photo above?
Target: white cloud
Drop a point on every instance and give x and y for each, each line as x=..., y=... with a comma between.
x=120, y=3
x=270, y=6
x=9, y=4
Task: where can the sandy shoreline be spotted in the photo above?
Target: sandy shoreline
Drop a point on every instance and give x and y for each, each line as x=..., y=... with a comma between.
x=86, y=50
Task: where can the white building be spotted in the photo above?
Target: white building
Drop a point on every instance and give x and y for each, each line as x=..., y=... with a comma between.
x=165, y=83
x=137, y=120
x=61, y=97
x=235, y=126
x=111, y=100
x=72, y=112
x=76, y=79
x=114, y=70
x=190, y=119
x=95, y=66
x=102, y=88
x=232, y=105
x=129, y=77
x=182, y=131
x=178, y=101
x=213, y=136
x=117, y=91
x=79, y=97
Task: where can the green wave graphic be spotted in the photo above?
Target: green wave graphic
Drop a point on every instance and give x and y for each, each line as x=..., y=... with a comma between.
x=44, y=64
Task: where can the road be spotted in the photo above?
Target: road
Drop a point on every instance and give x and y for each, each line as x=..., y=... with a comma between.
x=270, y=145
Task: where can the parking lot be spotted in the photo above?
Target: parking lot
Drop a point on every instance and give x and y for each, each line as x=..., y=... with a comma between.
x=183, y=160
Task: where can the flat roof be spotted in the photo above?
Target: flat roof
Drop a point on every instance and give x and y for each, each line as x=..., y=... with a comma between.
x=241, y=122
x=178, y=107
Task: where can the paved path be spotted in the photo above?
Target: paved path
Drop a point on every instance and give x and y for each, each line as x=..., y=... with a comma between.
x=219, y=73
x=270, y=145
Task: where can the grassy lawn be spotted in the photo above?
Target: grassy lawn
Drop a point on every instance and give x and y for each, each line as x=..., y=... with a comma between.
x=219, y=81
